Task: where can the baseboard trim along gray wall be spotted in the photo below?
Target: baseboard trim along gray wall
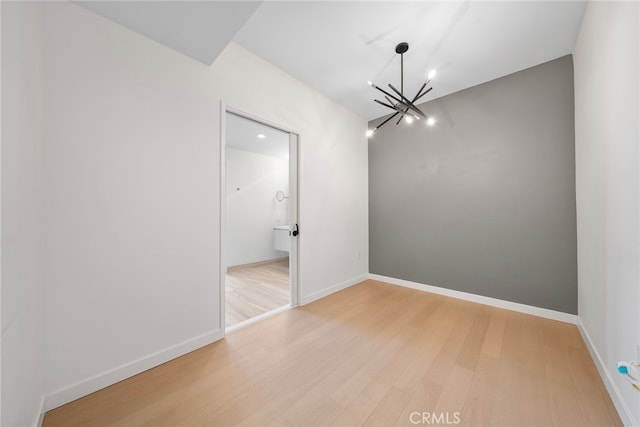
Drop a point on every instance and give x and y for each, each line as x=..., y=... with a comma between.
x=484, y=201
x=480, y=299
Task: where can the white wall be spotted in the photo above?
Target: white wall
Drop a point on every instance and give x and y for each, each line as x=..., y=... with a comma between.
x=333, y=193
x=21, y=207
x=252, y=209
x=607, y=173
x=132, y=194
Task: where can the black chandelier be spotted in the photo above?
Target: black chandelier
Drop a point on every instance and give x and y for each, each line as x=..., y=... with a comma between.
x=400, y=104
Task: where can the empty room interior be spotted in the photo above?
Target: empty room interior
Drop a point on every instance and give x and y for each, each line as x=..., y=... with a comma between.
x=320, y=213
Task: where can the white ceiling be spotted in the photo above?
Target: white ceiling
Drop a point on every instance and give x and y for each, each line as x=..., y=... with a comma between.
x=242, y=134
x=336, y=46
x=199, y=29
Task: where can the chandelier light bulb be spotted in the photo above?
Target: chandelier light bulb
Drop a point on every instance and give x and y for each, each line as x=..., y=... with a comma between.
x=369, y=133
x=369, y=82
x=432, y=74
x=431, y=121
x=408, y=119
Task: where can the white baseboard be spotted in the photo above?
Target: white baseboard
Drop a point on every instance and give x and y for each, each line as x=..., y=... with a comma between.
x=38, y=417
x=494, y=302
x=100, y=381
x=333, y=289
x=614, y=392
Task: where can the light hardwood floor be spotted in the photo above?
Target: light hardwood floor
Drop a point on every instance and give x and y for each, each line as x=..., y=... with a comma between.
x=373, y=354
x=256, y=289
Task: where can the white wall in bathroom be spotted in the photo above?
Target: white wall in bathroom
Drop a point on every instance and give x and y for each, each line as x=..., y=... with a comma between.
x=252, y=209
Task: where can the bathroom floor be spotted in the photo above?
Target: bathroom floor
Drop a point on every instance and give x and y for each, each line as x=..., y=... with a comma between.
x=256, y=289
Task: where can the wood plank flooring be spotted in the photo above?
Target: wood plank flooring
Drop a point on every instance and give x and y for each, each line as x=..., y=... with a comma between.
x=256, y=289
x=373, y=354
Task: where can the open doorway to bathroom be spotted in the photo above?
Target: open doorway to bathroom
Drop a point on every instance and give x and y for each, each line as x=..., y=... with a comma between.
x=259, y=246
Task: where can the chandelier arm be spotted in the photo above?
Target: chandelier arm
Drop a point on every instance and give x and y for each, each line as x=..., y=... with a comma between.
x=387, y=119
x=386, y=93
x=395, y=106
x=417, y=110
x=415, y=98
x=403, y=113
x=408, y=107
x=398, y=92
x=400, y=111
x=423, y=94
x=405, y=108
x=406, y=102
x=385, y=104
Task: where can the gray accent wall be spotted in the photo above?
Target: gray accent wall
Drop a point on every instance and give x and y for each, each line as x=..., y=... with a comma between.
x=484, y=201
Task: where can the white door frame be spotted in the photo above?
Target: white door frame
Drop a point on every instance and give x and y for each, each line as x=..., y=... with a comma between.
x=293, y=206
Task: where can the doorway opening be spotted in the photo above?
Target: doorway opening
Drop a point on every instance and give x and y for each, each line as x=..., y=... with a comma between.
x=259, y=219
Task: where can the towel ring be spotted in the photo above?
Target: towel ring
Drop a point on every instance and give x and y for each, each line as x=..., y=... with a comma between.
x=280, y=196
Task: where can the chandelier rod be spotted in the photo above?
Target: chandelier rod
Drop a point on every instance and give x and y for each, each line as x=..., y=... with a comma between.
x=402, y=75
